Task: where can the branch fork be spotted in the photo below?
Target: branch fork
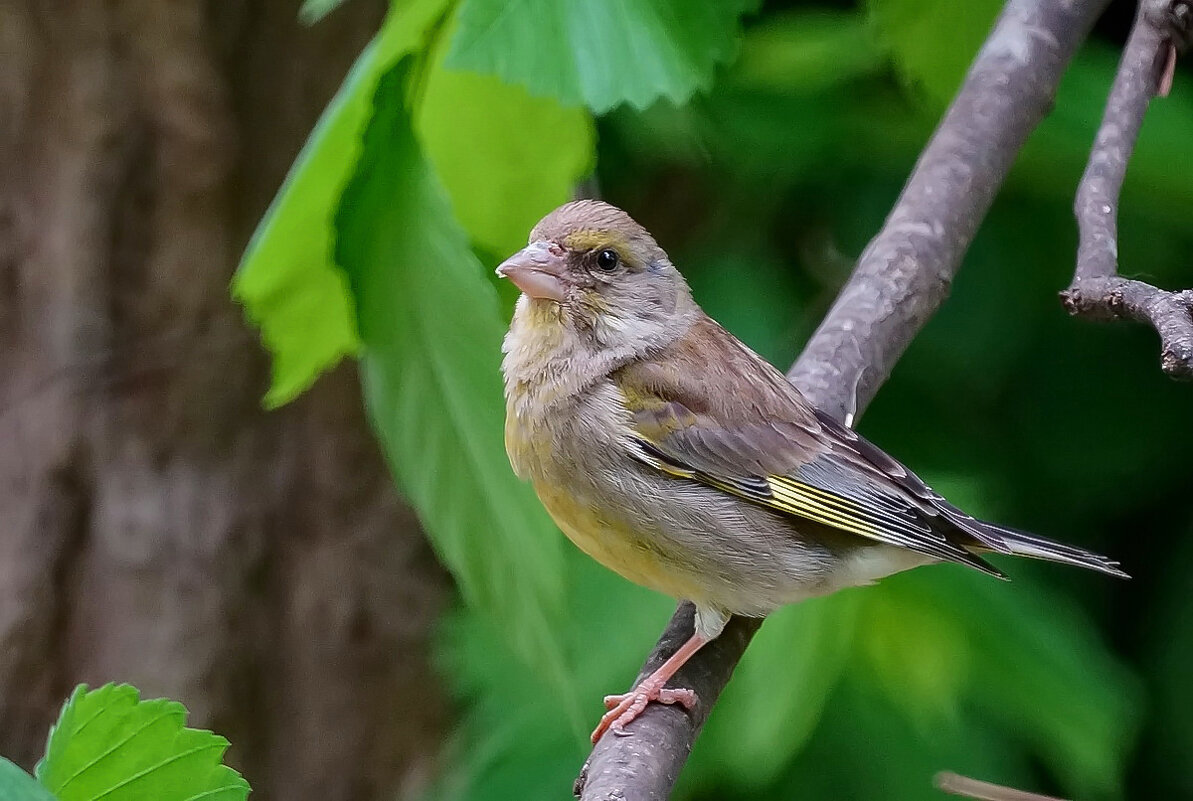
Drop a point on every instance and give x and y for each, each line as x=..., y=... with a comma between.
x=1162, y=29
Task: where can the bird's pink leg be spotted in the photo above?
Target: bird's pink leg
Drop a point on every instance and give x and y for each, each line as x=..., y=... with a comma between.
x=624, y=708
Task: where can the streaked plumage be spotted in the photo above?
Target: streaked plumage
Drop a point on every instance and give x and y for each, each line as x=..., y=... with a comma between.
x=672, y=453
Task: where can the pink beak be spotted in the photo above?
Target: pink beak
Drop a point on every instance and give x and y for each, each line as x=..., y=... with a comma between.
x=537, y=270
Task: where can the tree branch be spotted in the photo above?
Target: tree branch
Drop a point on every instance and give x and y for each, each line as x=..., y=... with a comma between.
x=900, y=280
x=984, y=791
x=1097, y=291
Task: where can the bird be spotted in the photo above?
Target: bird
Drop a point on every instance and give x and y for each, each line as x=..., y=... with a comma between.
x=670, y=452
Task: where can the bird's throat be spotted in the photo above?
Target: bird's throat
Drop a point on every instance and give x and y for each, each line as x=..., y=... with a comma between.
x=548, y=362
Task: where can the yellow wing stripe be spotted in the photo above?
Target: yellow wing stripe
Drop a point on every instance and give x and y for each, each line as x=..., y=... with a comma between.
x=883, y=521
x=793, y=503
x=813, y=503
x=846, y=504
x=791, y=500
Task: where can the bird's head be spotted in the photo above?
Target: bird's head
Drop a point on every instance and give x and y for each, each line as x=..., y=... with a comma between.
x=590, y=268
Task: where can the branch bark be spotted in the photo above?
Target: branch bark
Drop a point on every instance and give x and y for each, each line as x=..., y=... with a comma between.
x=1098, y=291
x=900, y=280
x=966, y=787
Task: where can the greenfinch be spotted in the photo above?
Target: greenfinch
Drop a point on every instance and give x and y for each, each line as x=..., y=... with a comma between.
x=673, y=454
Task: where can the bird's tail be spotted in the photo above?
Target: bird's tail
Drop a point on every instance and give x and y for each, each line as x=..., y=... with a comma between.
x=1021, y=543
x=993, y=538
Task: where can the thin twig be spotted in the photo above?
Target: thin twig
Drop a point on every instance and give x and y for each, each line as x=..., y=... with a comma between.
x=1098, y=291
x=956, y=784
x=900, y=281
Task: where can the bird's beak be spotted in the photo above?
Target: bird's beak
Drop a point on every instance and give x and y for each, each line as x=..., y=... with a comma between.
x=537, y=270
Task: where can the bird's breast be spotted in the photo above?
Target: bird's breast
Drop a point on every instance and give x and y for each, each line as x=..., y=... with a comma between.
x=618, y=545
x=576, y=454
x=557, y=439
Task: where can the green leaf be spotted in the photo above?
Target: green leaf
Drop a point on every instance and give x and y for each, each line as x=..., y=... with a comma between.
x=531, y=155
x=933, y=41
x=312, y=11
x=596, y=52
x=109, y=744
x=432, y=335
x=17, y=785
x=288, y=282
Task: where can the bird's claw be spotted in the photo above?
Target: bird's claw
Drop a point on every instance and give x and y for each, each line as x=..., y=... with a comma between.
x=624, y=708
x=666, y=695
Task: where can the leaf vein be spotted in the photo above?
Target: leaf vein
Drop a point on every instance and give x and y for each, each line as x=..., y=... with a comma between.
x=114, y=747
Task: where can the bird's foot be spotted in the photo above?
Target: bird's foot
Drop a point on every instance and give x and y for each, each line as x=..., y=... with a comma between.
x=624, y=708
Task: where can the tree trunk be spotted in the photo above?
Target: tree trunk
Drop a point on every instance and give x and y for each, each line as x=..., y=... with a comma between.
x=156, y=526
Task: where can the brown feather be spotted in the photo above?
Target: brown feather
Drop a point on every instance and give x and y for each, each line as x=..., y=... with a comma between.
x=712, y=410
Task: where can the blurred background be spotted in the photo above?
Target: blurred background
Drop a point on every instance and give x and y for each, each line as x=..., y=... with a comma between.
x=417, y=629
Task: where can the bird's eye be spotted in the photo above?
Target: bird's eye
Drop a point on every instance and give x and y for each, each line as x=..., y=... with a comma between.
x=607, y=260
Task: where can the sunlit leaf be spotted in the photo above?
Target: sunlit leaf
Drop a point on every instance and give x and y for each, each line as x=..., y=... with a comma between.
x=288, y=281
x=109, y=744
x=599, y=53
x=531, y=155
x=432, y=335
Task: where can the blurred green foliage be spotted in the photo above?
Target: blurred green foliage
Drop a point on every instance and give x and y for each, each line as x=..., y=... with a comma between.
x=465, y=121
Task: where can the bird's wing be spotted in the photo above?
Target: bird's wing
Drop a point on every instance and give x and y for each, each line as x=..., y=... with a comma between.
x=727, y=418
